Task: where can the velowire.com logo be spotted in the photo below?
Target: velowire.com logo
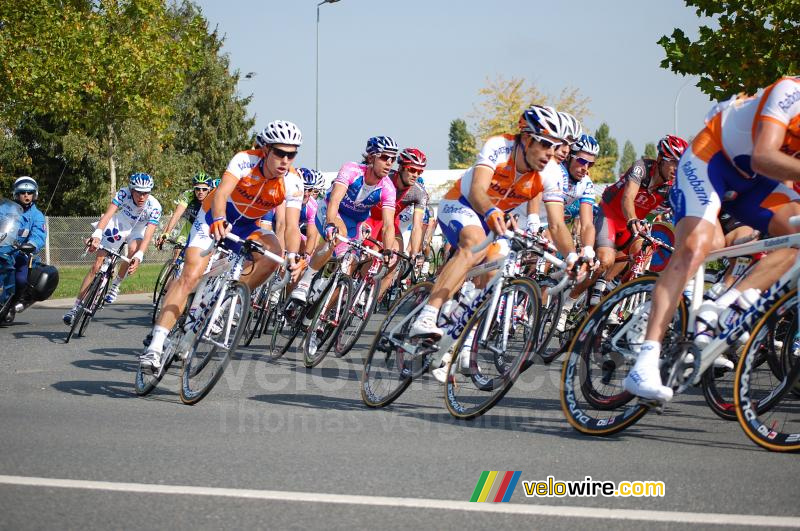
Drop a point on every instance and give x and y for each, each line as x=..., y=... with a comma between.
x=494, y=486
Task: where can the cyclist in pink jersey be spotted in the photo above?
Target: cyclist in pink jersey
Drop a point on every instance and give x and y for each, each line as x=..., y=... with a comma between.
x=355, y=191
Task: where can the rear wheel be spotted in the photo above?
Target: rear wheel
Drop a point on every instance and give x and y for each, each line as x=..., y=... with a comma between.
x=163, y=286
x=90, y=295
x=326, y=322
x=214, y=344
x=362, y=307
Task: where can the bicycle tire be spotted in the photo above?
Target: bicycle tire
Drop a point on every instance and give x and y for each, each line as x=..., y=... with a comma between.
x=346, y=340
x=765, y=400
x=548, y=320
x=95, y=304
x=255, y=322
x=193, y=389
x=599, y=357
x=145, y=380
x=319, y=341
x=162, y=292
x=81, y=309
x=387, y=364
x=161, y=279
x=473, y=388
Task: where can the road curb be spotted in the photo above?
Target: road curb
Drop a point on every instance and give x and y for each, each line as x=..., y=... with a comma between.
x=132, y=298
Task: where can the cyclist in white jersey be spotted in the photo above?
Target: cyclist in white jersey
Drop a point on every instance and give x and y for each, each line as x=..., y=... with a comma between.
x=132, y=218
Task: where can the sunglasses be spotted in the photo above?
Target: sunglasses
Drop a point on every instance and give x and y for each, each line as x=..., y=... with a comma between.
x=546, y=142
x=284, y=154
x=25, y=193
x=201, y=189
x=387, y=158
x=583, y=162
x=415, y=171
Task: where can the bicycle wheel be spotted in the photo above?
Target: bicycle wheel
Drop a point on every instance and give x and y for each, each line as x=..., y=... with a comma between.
x=602, y=352
x=146, y=381
x=365, y=299
x=390, y=365
x=216, y=340
x=90, y=294
x=325, y=324
x=164, y=286
x=258, y=314
x=492, y=350
x=766, y=390
x=95, y=304
x=548, y=319
x=163, y=275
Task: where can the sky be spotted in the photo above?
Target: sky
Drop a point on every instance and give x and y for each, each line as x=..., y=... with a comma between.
x=407, y=68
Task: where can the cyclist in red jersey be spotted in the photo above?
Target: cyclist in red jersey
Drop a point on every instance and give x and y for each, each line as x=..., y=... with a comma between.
x=642, y=189
x=411, y=164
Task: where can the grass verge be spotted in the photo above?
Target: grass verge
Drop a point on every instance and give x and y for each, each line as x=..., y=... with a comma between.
x=70, y=278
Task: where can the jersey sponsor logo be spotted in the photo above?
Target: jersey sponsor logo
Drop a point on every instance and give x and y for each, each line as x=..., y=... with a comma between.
x=503, y=191
x=789, y=100
x=246, y=165
x=638, y=172
x=696, y=183
x=505, y=150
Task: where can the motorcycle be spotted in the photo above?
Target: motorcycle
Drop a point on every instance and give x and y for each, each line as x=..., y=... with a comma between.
x=42, y=278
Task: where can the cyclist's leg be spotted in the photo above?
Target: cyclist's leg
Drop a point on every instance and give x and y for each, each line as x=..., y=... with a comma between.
x=462, y=227
x=263, y=267
x=323, y=253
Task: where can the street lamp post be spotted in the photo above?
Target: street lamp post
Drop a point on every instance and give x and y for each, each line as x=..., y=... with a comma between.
x=677, y=97
x=316, y=106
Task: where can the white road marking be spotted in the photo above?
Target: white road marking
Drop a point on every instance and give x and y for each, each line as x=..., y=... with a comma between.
x=412, y=503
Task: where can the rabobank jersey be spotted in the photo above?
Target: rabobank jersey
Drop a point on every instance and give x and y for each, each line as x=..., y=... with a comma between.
x=255, y=194
x=507, y=189
x=129, y=215
x=733, y=123
x=361, y=197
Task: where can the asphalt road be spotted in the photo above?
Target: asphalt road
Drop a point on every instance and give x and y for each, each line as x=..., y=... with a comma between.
x=276, y=446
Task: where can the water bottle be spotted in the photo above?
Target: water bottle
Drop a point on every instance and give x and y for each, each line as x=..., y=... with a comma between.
x=466, y=296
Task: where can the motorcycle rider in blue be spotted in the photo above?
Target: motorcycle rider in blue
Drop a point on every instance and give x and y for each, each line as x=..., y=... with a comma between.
x=31, y=231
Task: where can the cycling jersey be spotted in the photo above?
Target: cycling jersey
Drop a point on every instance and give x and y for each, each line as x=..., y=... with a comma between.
x=507, y=189
x=717, y=165
x=129, y=213
x=254, y=194
x=361, y=197
x=190, y=202
x=409, y=200
x=646, y=200
x=568, y=191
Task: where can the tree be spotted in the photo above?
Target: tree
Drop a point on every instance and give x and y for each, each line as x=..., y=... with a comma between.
x=461, y=146
x=650, y=151
x=628, y=156
x=504, y=100
x=95, y=64
x=603, y=170
x=755, y=44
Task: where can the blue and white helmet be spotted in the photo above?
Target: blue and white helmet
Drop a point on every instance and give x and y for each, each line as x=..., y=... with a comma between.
x=279, y=132
x=542, y=120
x=141, y=182
x=312, y=179
x=573, y=129
x=381, y=144
x=587, y=144
x=26, y=184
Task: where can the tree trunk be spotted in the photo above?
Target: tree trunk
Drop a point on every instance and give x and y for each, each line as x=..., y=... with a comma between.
x=112, y=167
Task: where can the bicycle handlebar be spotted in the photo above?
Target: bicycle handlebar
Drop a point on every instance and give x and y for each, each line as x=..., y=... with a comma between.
x=257, y=247
x=359, y=246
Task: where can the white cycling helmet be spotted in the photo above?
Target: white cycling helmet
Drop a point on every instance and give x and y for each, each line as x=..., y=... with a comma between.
x=141, y=182
x=541, y=120
x=573, y=129
x=586, y=144
x=279, y=132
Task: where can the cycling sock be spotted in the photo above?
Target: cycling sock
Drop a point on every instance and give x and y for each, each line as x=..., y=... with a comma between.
x=648, y=357
x=159, y=335
x=117, y=281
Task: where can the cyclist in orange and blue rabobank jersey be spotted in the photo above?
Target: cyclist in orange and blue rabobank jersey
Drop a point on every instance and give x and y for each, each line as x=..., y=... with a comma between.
x=255, y=182
x=737, y=163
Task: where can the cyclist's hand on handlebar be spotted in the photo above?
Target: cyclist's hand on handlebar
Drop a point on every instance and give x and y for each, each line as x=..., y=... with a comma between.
x=297, y=265
x=160, y=242
x=591, y=258
x=331, y=230
x=220, y=228
x=635, y=226
x=494, y=219
x=387, y=256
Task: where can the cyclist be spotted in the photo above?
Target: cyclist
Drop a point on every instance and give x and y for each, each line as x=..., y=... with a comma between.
x=509, y=171
x=355, y=191
x=748, y=146
x=187, y=205
x=410, y=195
x=132, y=218
x=32, y=230
x=255, y=182
x=625, y=204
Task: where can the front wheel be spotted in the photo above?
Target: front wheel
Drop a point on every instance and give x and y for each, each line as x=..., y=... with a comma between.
x=767, y=382
x=216, y=340
x=365, y=300
x=491, y=352
x=327, y=320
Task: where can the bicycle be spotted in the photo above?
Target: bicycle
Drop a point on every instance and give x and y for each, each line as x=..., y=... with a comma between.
x=93, y=299
x=604, y=348
x=266, y=302
x=170, y=271
x=214, y=321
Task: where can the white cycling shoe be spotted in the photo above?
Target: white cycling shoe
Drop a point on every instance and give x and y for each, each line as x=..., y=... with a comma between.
x=647, y=385
x=300, y=293
x=151, y=359
x=425, y=326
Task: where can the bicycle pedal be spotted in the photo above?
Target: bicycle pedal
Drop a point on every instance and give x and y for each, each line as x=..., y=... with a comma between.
x=655, y=405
